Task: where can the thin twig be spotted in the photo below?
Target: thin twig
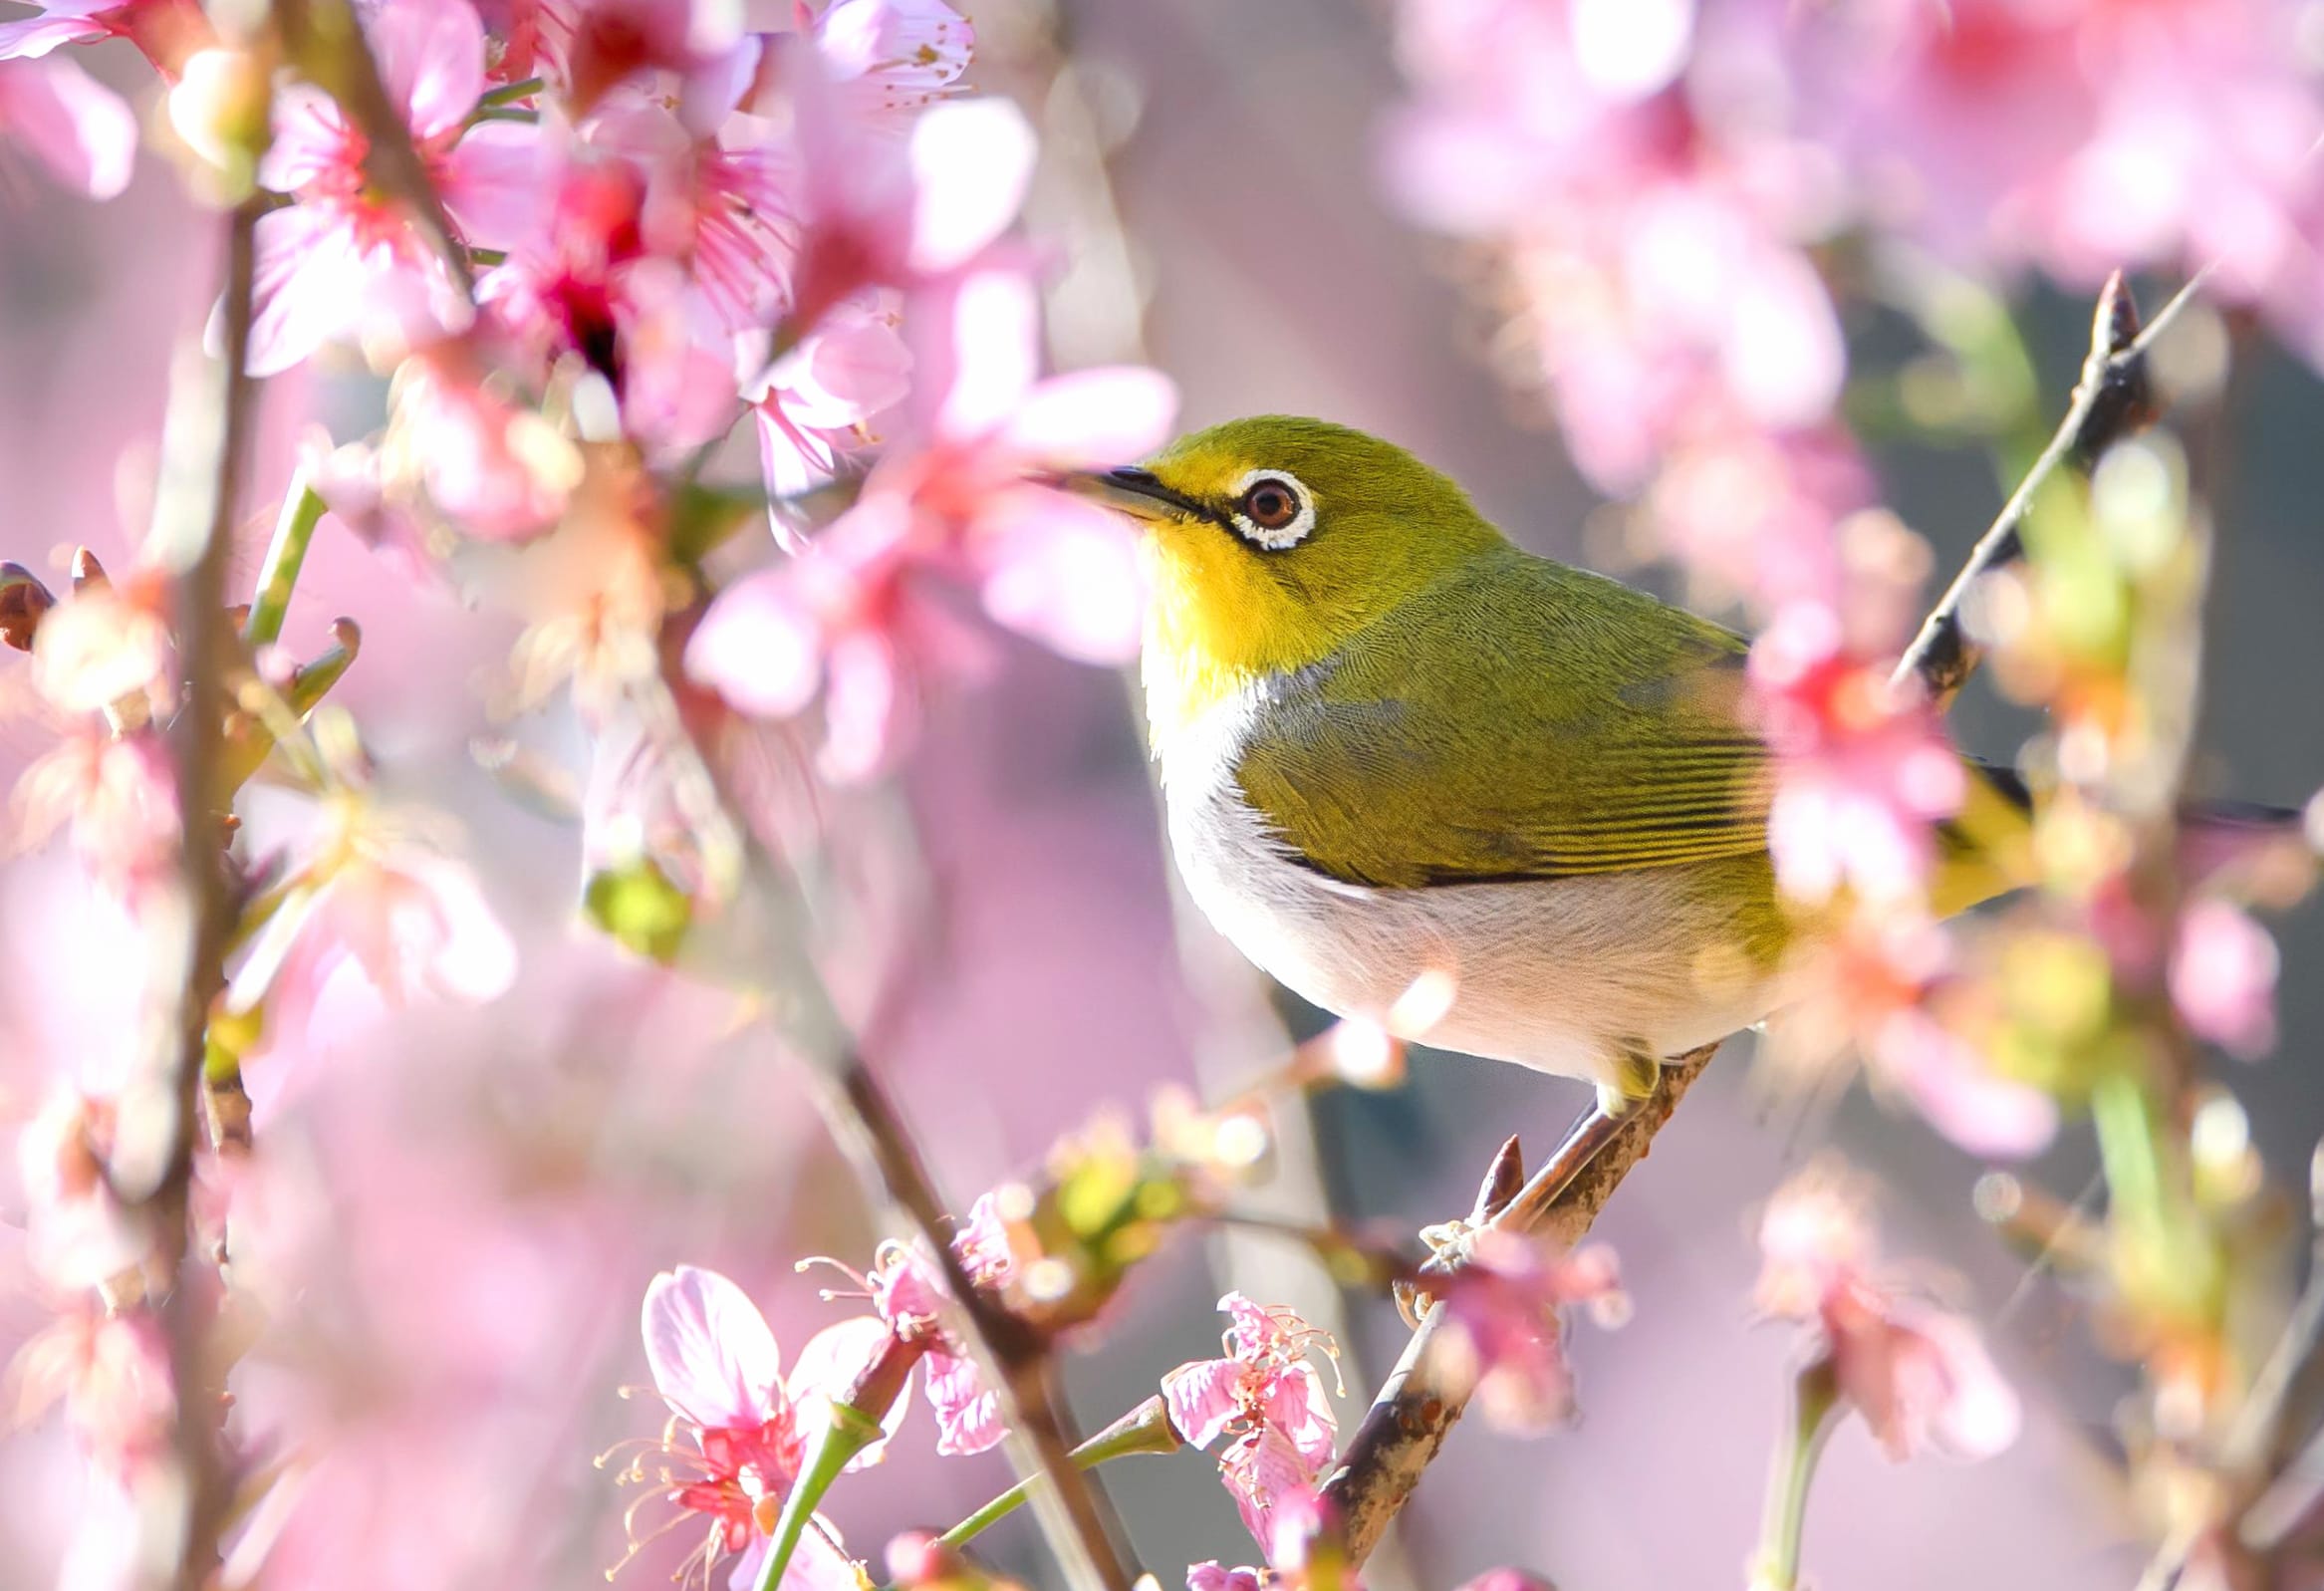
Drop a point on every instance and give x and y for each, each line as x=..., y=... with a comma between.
x=1421, y=1401
x=868, y=1129
x=2114, y=399
x=204, y=440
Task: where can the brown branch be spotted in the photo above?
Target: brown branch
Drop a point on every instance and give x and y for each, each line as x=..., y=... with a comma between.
x=868, y=1129
x=1419, y=1403
x=204, y=441
x=2113, y=399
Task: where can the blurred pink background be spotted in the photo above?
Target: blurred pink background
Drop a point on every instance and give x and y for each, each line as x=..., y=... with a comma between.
x=474, y=1201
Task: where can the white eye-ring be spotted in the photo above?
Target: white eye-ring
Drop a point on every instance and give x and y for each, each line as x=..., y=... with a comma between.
x=1273, y=509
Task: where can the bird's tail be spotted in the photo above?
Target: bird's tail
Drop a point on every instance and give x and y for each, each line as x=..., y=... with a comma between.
x=2242, y=848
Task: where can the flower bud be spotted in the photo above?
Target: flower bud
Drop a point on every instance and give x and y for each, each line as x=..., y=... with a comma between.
x=23, y=598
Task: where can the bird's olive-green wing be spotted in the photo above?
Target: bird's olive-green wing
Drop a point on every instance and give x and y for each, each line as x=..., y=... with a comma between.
x=1521, y=721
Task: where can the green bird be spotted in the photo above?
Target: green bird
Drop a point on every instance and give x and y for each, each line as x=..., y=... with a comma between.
x=1395, y=745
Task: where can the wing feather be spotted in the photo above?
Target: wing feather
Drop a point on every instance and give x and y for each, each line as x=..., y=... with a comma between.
x=1523, y=721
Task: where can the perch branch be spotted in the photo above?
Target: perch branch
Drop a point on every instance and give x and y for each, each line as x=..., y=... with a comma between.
x=1419, y=1402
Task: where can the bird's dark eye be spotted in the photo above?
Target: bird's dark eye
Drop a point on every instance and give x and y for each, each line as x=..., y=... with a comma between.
x=1270, y=504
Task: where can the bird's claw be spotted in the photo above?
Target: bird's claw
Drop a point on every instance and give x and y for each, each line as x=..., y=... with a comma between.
x=1450, y=1245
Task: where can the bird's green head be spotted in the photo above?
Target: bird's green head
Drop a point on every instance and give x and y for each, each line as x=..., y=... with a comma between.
x=1273, y=540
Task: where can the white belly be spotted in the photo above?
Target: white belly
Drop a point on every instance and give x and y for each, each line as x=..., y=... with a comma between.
x=1564, y=975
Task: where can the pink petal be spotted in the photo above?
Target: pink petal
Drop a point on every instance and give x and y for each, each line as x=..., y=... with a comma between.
x=967, y=1411
x=1095, y=417
x=1950, y=1084
x=1203, y=1398
x=971, y=162
x=1296, y=1404
x=817, y=1564
x=715, y=1361
x=493, y=183
x=312, y=139
x=827, y=1370
x=307, y=280
x=473, y=957
x=83, y=131
x=912, y=48
x=758, y=648
x=1063, y=571
x=978, y=350
x=27, y=38
x=431, y=54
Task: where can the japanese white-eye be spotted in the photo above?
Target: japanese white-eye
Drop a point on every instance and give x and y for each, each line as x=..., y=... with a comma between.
x=1393, y=744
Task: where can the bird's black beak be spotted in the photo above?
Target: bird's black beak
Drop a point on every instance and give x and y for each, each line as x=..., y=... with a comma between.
x=1137, y=493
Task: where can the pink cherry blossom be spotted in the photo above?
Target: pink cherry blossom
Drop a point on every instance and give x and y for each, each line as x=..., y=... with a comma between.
x=496, y=467
x=79, y=1233
x=2223, y=977
x=1501, y=1324
x=858, y=619
x=734, y=1447
x=1864, y=770
x=1264, y=1379
x=588, y=287
x=166, y=31
x=822, y=399
x=386, y=912
x=893, y=57
x=881, y=210
x=1212, y=1575
x=1919, y=1375
x=118, y=795
x=1507, y=1580
x=908, y=1289
x=346, y=257
x=80, y=132
x=109, y=1372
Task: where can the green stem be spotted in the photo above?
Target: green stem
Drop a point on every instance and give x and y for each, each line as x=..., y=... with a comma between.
x=510, y=93
x=849, y=1432
x=1144, y=1428
x=1815, y=1399
x=303, y=510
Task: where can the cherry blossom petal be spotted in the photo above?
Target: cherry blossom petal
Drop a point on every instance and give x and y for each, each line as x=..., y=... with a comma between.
x=904, y=51
x=1949, y=1084
x=1212, y=1576
x=977, y=351
x=760, y=647
x=817, y=1564
x=713, y=1359
x=971, y=162
x=312, y=139
x=1094, y=418
x=431, y=58
x=968, y=1411
x=75, y=21
x=1064, y=571
x=825, y=1372
x=1204, y=1397
x=83, y=131
x=2223, y=977
x=468, y=955
x=493, y=183
x=307, y=284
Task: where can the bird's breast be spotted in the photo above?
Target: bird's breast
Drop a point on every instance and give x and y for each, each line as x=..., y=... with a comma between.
x=1560, y=975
